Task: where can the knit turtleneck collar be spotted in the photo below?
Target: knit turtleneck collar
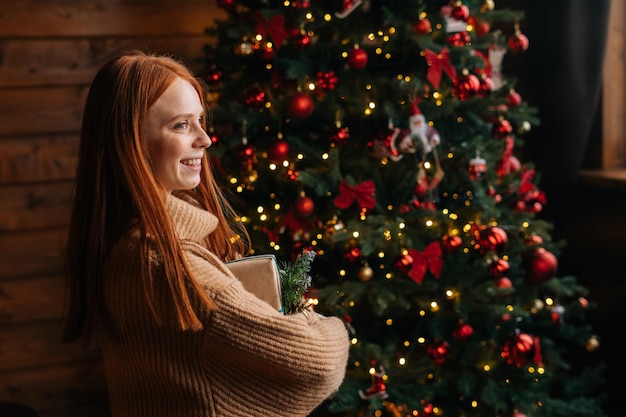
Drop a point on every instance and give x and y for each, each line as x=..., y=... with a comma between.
x=191, y=222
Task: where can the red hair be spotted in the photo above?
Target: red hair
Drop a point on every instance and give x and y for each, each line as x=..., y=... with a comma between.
x=116, y=191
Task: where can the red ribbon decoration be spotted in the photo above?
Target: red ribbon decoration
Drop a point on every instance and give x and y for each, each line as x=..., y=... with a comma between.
x=428, y=260
x=274, y=28
x=438, y=63
x=363, y=193
x=507, y=154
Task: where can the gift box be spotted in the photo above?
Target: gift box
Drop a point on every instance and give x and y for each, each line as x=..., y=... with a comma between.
x=259, y=275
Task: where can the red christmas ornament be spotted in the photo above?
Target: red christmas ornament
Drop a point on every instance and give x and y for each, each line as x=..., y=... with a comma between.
x=521, y=349
x=460, y=11
x=463, y=332
x=502, y=128
x=326, y=80
x=541, y=265
x=404, y=263
x=518, y=43
x=486, y=87
x=422, y=27
x=504, y=285
x=477, y=167
x=451, y=244
x=439, y=352
x=459, y=39
x=300, y=106
x=481, y=27
x=513, y=98
x=301, y=4
x=357, y=58
x=498, y=268
x=303, y=206
x=278, y=151
x=466, y=87
x=492, y=239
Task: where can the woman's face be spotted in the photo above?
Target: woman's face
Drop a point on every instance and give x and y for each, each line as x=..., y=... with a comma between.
x=176, y=137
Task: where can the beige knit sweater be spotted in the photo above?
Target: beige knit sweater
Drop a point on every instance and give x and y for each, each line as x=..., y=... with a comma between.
x=248, y=361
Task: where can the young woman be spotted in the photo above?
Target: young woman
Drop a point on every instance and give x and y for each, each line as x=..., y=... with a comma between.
x=148, y=236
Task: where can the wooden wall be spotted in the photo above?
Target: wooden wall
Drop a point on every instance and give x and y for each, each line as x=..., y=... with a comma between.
x=49, y=52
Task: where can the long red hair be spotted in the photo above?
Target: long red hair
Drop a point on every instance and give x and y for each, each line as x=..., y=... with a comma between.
x=115, y=191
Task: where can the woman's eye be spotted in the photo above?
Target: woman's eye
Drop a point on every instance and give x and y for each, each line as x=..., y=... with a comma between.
x=182, y=125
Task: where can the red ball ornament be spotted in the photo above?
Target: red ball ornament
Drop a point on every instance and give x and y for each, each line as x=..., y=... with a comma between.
x=502, y=128
x=541, y=265
x=300, y=106
x=492, y=239
x=466, y=87
x=357, y=58
x=498, y=268
x=477, y=167
x=278, y=151
x=403, y=263
x=518, y=43
x=481, y=27
x=503, y=283
x=520, y=349
x=422, y=27
x=459, y=39
x=514, y=99
x=460, y=12
x=303, y=206
x=486, y=87
x=451, y=244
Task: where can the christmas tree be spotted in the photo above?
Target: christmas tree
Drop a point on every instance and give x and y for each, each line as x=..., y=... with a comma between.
x=383, y=136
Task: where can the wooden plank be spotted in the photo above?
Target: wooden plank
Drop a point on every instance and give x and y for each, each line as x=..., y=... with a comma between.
x=35, y=206
x=32, y=111
x=55, y=387
x=61, y=18
x=614, y=90
x=38, y=344
x=33, y=253
x=61, y=61
x=31, y=299
x=38, y=158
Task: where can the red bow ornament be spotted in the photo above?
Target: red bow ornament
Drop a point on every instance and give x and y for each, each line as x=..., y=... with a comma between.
x=363, y=193
x=438, y=63
x=430, y=259
x=272, y=28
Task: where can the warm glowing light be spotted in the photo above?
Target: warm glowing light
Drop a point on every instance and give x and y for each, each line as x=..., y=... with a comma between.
x=273, y=167
x=328, y=17
x=371, y=105
x=342, y=272
x=429, y=223
x=354, y=341
x=427, y=165
x=389, y=322
x=421, y=340
x=486, y=368
x=311, y=86
x=381, y=254
x=355, y=234
x=402, y=361
x=549, y=301
x=325, y=156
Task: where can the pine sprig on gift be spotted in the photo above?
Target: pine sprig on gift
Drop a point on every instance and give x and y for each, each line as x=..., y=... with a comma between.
x=294, y=281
